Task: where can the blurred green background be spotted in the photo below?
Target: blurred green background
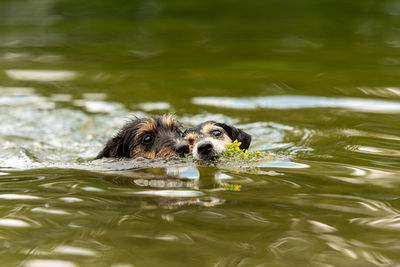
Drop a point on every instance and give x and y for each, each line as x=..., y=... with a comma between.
x=138, y=51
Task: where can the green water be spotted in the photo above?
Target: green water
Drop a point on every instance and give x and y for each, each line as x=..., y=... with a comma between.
x=316, y=83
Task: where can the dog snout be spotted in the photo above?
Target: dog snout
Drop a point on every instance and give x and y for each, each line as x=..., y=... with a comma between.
x=205, y=148
x=182, y=149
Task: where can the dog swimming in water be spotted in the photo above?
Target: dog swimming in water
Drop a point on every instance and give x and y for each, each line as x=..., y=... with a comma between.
x=211, y=138
x=153, y=137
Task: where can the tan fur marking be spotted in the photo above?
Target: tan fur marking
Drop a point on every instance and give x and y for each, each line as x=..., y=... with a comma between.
x=194, y=137
x=224, y=141
x=170, y=121
x=149, y=125
x=207, y=128
x=165, y=152
x=140, y=152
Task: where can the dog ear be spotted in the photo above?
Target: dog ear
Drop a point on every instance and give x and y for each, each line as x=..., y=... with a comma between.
x=120, y=145
x=111, y=148
x=237, y=134
x=115, y=148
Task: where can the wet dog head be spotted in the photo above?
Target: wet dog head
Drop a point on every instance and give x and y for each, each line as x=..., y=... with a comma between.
x=210, y=138
x=154, y=137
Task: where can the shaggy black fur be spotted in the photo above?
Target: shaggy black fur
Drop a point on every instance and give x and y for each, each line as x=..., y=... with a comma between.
x=154, y=137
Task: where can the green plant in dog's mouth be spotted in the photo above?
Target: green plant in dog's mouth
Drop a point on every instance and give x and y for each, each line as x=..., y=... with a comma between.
x=233, y=151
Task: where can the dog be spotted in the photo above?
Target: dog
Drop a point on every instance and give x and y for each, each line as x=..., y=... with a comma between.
x=154, y=137
x=210, y=138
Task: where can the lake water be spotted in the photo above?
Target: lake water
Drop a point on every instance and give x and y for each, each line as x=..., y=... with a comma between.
x=316, y=83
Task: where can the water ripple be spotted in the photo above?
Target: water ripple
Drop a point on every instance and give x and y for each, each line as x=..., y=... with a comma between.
x=48, y=263
x=13, y=223
x=18, y=196
x=389, y=222
x=41, y=75
x=346, y=204
x=171, y=193
x=70, y=250
x=50, y=211
x=320, y=227
x=298, y=102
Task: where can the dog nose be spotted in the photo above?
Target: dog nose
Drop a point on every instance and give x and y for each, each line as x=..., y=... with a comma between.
x=182, y=149
x=204, y=148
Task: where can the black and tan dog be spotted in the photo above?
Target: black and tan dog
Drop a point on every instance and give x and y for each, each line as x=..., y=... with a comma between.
x=154, y=137
x=210, y=138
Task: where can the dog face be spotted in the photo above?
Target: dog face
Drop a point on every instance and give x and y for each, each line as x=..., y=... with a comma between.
x=154, y=137
x=210, y=138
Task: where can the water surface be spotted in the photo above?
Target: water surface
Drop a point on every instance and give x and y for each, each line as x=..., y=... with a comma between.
x=316, y=83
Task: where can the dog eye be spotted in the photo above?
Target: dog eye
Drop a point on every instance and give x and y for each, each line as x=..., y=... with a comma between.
x=147, y=139
x=216, y=133
x=190, y=141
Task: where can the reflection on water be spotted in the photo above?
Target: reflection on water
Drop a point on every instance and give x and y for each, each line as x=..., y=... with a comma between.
x=296, y=102
x=48, y=263
x=171, y=193
x=41, y=75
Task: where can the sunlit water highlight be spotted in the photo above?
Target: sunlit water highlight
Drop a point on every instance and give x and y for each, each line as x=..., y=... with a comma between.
x=298, y=102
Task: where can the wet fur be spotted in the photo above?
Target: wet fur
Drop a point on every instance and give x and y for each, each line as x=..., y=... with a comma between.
x=129, y=141
x=202, y=134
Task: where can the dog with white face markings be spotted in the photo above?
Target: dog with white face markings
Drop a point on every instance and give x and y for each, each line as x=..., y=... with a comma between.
x=211, y=138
